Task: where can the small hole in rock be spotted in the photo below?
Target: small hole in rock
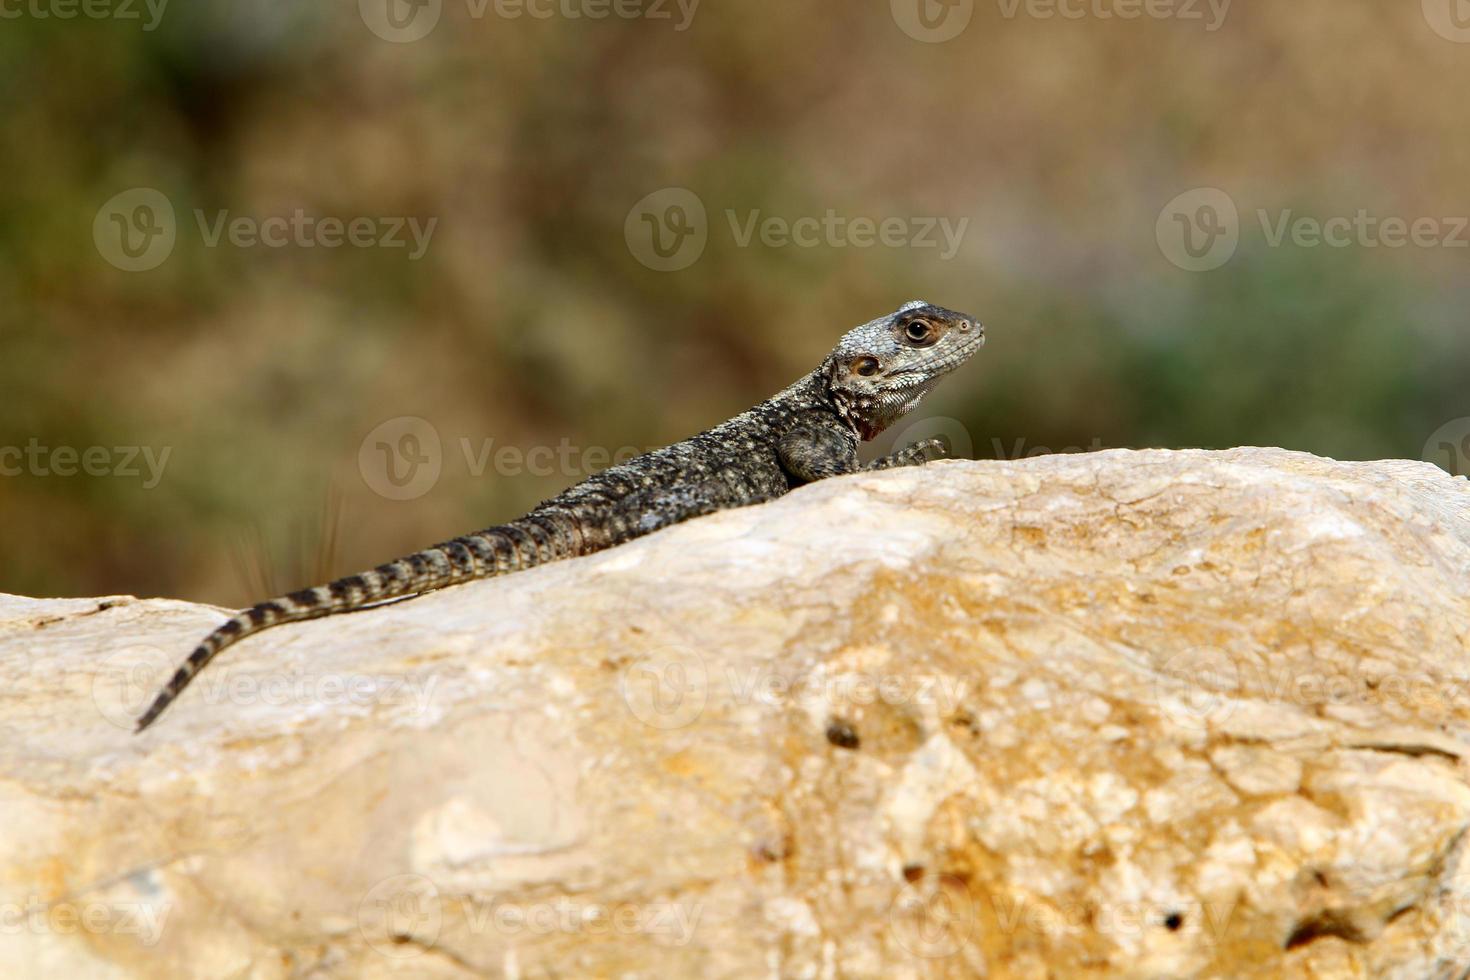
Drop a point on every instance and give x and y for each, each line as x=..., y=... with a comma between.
x=772, y=851
x=1173, y=921
x=842, y=735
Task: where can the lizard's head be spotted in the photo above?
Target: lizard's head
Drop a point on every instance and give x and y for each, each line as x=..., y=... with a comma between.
x=882, y=369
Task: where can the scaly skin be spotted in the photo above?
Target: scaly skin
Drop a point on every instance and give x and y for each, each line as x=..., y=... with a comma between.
x=810, y=431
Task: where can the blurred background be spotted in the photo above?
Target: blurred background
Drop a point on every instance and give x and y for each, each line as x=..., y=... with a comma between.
x=579, y=227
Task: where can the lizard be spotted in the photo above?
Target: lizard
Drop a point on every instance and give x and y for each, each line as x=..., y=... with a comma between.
x=809, y=431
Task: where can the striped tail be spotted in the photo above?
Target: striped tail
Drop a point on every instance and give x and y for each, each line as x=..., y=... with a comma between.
x=530, y=541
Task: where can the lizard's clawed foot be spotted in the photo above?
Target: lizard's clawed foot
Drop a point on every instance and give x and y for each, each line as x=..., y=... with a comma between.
x=916, y=455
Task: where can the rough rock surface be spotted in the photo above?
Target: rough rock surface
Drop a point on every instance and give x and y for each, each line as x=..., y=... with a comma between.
x=1145, y=714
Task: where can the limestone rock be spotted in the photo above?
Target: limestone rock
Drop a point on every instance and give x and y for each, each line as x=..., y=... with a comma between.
x=1136, y=714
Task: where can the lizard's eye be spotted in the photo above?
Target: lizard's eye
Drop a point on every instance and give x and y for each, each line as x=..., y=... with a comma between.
x=918, y=332
x=866, y=366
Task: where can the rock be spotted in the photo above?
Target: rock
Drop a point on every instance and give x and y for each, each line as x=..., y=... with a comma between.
x=1140, y=714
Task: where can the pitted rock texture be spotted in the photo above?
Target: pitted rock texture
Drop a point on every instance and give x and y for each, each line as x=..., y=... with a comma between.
x=1135, y=714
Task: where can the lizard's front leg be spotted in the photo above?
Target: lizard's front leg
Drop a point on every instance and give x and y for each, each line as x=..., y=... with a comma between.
x=816, y=451
x=915, y=455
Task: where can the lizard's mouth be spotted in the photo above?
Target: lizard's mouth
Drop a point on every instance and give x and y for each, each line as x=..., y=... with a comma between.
x=928, y=374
